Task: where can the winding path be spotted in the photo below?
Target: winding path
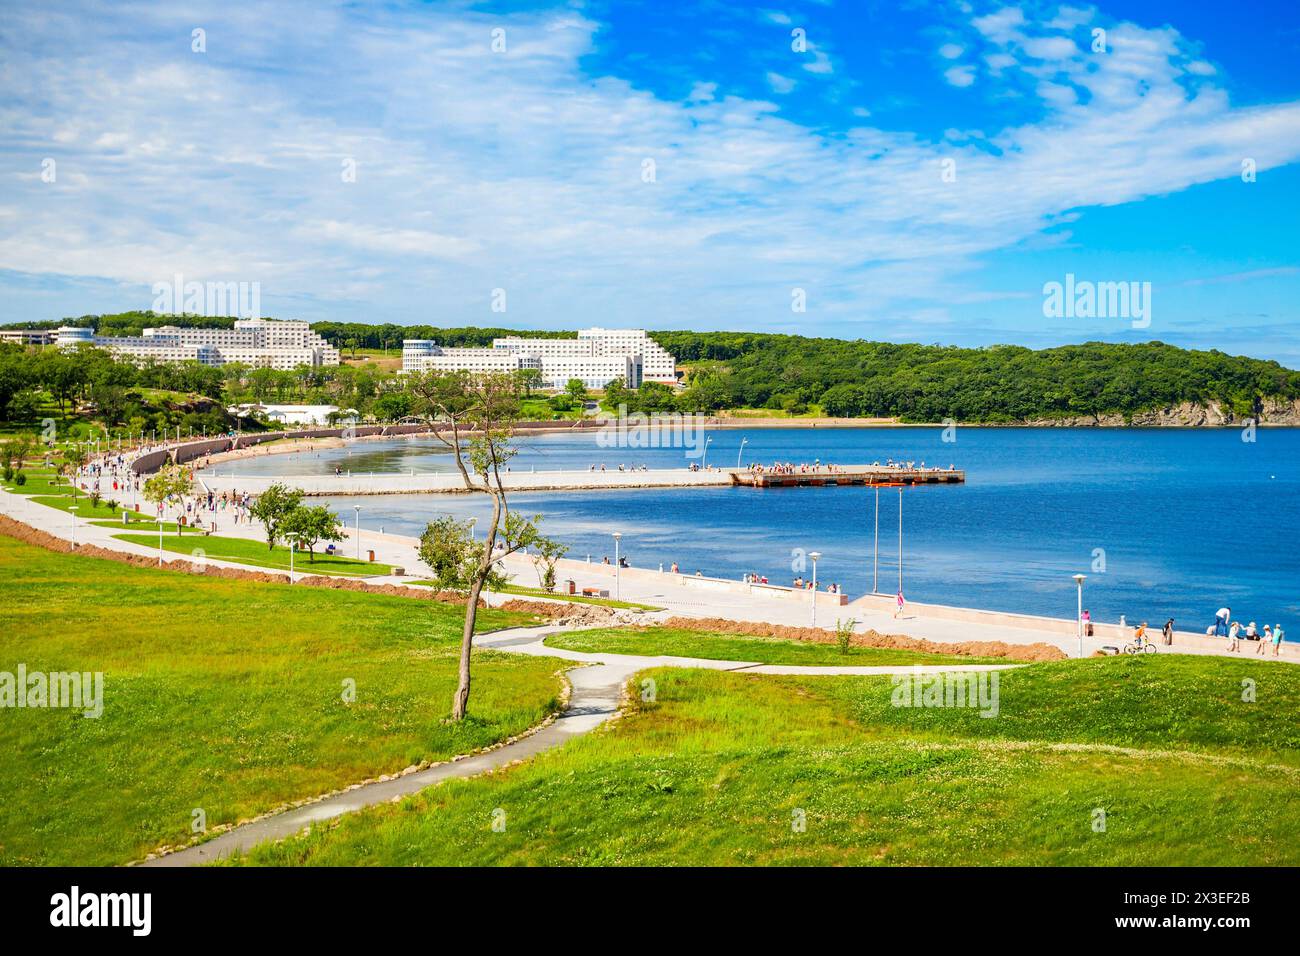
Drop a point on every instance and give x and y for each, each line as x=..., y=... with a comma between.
x=595, y=698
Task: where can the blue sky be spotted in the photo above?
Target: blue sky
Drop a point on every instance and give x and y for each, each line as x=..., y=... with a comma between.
x=777, y=164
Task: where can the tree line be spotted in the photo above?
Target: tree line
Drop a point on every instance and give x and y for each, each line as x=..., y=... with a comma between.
x=722, y=370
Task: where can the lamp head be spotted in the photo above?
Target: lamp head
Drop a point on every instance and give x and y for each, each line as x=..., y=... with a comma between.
x=1079, y=579
x=815, y=555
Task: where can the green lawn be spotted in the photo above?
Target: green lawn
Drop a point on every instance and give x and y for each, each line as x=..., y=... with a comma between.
x=718, y=770
x=678, y=642
x=256, y=553
x=524, y=591
x=226, y=696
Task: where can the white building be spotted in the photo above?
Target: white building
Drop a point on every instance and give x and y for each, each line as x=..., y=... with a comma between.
x=596, y=357
x=295, y=414
x=259, y=343
x=422, y=355
x=29, y=336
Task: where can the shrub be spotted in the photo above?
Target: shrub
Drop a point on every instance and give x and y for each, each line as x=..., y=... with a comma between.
x=844, y=634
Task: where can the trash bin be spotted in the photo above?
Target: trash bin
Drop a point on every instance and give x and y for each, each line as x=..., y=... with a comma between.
x=571, y=586
x=372, y=555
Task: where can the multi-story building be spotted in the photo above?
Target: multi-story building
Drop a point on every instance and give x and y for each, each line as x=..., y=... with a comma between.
x=422, y=355
x=29, y=336
x=259, y=343
x=596, y=357
x=656, y=364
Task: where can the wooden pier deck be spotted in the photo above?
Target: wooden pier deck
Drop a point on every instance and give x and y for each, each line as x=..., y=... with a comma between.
x=849, y=475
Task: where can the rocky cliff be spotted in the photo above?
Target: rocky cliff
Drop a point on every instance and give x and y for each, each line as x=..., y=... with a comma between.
x=1270, y=411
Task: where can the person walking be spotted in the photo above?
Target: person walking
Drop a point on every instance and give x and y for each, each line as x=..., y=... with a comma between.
x=1087, y=623
x=899, y=604
x=1234, y=632
x=1277, y=640
x=1168, y=632
x=1268, y=639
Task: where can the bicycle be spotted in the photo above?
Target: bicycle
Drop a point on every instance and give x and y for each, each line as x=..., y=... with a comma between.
x=1139, y=645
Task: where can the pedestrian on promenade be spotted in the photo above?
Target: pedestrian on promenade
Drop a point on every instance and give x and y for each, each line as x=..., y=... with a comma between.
x=900, y=604
x=1169, y=631
x=1087, y=622
x=1234, y=631
x=1268, y=639
x=1277, y=639
x=1221, y=619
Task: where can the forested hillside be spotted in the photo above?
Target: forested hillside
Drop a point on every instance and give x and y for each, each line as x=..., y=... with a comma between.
x=793, y=374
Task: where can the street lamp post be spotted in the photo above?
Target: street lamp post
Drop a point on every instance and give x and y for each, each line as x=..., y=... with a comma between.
x=900, y=539
x=815, y=556
x=618, y=565
x=472, y=523
x=72, y=509
x=292, y=548
x=1078, y=617
x=875, y=557
x=704, y=462
x=357, y=509
x=743, y=443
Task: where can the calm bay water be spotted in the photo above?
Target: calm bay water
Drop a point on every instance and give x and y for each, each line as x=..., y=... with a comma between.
x=1187, y=520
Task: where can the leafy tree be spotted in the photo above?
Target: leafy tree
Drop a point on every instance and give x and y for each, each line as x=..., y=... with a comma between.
x=616, y=394
x=576, y=389
x=546, y=554
x=305, y=526
x=273, y=507
x=170, y=481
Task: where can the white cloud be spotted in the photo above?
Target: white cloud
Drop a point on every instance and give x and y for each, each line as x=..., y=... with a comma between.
x=950, y=51
x=1002, y=25
x=821, y=63
x=780, y=84
x=1051, y=48
x=960, y=75
x=702, y=92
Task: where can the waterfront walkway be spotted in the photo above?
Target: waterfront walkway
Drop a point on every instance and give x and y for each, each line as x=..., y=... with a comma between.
x=676, y=595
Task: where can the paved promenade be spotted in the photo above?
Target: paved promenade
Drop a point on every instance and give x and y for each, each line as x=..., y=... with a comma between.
x=680, y=595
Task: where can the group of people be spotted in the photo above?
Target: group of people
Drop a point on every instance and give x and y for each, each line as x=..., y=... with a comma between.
x=1225, y=626
x=912, y=465
x=791, y=468
x=621, y=467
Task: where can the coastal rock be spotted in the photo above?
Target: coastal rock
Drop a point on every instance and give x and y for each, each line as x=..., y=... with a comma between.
x=1269, y=411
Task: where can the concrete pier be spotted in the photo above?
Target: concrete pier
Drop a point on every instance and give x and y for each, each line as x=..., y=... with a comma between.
x=417, y=483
